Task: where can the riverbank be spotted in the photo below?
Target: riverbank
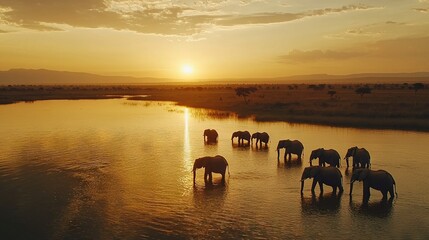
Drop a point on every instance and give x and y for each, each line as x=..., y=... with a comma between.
x=388, y=106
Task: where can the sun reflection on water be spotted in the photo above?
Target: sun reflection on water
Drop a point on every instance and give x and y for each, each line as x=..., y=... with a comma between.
x=187, y=161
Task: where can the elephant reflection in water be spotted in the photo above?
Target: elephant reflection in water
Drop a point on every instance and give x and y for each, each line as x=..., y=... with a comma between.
x=330, y=176
x=241, y=135
x=378, y=209
x=331, y=202
x=380, y=180
x=361, y=157
x=210, y=136
x=261, y=137
x=216, y=164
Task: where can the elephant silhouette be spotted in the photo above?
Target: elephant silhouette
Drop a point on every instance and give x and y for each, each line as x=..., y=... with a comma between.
x=291, y=147
x=216, y=164
x=330, y=156
x=361, y=157
x=330, y=176
x=210, y=136
x=380, y=180
x=241, y=135
x=261, y=137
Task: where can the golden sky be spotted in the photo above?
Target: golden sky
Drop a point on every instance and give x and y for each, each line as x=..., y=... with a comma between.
x=215, y=38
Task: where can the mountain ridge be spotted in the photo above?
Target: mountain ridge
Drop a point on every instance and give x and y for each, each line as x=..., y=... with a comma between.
x=21, y=76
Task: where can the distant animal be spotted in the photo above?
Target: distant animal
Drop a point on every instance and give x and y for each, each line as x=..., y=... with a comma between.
x=379, y=180
x=210, y=136
x=361, y=157
x=216, y=164
x=241, y=135
x=261, y=137
x=330, y=156
x=330, y=176
x=291, y=147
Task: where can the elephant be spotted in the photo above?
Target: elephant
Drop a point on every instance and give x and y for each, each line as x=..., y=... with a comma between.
x=211, y=135
x=241, y=135
x=216, y=164
x=360, y=156
x=261, y=137
x=380, y=180
x=330, y=176
x=290, y=146
x=330, y=156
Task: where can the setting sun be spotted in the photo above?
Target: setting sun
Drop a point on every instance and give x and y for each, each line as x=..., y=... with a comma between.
x=187, y=69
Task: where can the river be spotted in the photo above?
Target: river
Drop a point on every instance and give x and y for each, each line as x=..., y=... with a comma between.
x=119, y=169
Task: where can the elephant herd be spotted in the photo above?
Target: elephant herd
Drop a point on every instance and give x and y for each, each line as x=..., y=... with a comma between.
x=329, y=175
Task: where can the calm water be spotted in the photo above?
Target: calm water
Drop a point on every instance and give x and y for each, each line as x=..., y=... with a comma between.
x=118, y=169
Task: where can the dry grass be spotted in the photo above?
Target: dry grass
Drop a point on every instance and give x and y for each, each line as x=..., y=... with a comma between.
x=389, y=106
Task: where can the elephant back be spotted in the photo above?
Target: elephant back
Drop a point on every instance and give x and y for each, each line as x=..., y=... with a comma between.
x=331, y=156
x=265, y=137
x=245, y=135
x=218, y=164
x=296, y=144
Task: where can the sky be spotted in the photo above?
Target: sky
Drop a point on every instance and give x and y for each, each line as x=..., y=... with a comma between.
x=215, y=39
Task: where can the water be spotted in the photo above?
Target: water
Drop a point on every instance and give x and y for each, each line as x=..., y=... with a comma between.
x=118, y=169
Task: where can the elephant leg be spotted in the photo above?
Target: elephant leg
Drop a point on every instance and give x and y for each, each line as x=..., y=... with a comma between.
x=334, y=189
x=278, y=155
x=384, y=192
x=341, y=188
x=392, y=193
x=313, y=185
x=205, y=175
x=223, y=178
x=366, y=192
x=260, y=144
x=321, y=187
x=210, y=178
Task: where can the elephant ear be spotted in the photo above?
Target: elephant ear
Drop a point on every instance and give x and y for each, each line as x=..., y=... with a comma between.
x=363, y=175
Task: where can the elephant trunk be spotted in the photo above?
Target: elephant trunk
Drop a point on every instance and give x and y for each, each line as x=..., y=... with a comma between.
x=302, y=186
x=351, y=187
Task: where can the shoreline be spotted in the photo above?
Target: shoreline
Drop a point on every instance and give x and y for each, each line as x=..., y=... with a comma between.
x=390, y=106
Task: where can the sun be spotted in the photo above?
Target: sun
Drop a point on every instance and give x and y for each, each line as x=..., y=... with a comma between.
x=187, y=69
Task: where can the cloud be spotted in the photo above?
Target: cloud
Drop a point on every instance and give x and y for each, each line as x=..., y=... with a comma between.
x=153, y=16
x=299, y=56
x=403, y=49
x=422, y=10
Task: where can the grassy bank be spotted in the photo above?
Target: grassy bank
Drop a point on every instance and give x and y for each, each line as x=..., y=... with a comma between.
x=388, y=106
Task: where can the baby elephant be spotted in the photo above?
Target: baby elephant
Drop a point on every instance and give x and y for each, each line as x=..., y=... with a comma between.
x=330, y=176
x=379, y=180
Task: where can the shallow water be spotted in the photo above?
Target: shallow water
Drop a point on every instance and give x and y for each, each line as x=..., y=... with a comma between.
x=118, y=169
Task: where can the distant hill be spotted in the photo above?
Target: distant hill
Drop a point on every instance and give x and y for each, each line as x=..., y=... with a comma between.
x=49, y=77
x=362, y=77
